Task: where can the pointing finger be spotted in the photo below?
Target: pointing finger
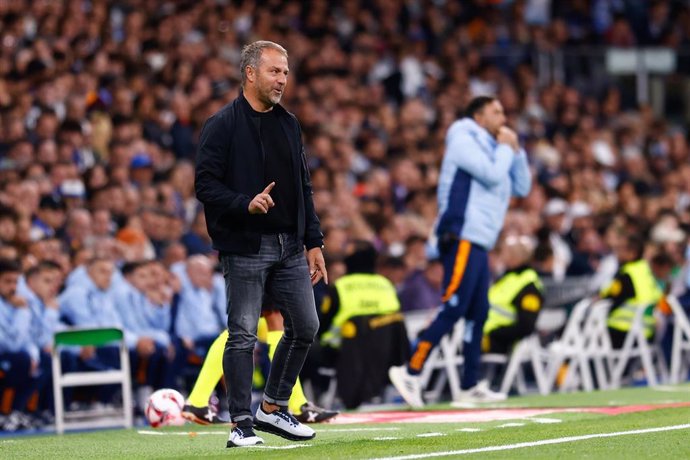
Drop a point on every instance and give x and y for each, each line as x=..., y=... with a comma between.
x=269, y=187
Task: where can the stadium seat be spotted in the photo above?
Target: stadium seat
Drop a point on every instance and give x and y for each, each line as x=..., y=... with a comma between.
x=635, y=346
x=569, y=351
x=96, y=338
x=526, y=351
x=680, y=351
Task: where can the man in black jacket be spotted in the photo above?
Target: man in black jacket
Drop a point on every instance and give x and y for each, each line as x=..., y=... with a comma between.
x=252, y=177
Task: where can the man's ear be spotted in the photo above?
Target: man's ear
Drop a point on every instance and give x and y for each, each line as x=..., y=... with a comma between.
x=250, y=72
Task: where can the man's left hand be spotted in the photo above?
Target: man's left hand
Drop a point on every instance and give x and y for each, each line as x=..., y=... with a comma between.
x=317, y=266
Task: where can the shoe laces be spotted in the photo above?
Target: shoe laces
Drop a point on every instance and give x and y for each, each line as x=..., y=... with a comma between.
x=245, y=432
x=287, y=416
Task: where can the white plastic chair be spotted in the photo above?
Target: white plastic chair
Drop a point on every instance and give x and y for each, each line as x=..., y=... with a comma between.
x=526, y=351
x=570, y=348
x=635, y=346
x=680, y=351
x=96, y=338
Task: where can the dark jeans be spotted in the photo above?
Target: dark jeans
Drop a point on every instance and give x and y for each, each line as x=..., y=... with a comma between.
x=280, y=272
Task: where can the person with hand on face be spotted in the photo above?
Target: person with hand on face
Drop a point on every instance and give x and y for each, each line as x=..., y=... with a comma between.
x=19, y=355
x=483, y=166
x=252, y=178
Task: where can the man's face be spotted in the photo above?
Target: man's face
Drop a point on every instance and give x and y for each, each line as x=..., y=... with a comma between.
x=141, y=278
x=270, y=77
x=45, y=283
x=100, y=273
x=8, y=284
x=491, y=117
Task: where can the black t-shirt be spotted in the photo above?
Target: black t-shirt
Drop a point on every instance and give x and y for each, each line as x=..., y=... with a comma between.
x=278, y=168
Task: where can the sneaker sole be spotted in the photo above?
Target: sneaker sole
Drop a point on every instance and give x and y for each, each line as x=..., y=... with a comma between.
x=231, y=444
x=268, y=428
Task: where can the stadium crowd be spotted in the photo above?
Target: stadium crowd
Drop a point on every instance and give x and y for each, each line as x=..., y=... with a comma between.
x=101, y=103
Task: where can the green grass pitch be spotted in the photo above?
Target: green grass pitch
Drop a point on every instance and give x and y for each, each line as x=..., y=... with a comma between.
x=562, y=434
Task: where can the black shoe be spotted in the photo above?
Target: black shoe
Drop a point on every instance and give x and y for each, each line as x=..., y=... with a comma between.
x=202, y=415
x=311, y=413
x=243, y=436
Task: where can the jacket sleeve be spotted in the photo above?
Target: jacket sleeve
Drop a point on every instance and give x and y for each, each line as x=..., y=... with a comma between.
x=619, y=290
x=313, y=238
x=527, y=303
x=520, y=175
x=211, y=165
x=15, y=332
x=464, y=151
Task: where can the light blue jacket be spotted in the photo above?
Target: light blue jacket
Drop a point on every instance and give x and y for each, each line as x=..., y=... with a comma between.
x=140, y=317
x=45, y=322
x=477, y=178
x=85, y=305
x=15, y=330
x=200, y=312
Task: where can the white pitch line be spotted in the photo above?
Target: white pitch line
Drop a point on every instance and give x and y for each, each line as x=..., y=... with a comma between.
x=543, y=442
x=430, y=435
x=510, y=425
x=290, y=446
x=543, y=420
x=180, y=433
x=469, y=430
x=347, y=430
x=386, y=438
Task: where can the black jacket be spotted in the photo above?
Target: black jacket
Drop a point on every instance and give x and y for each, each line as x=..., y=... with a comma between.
x=230, y=172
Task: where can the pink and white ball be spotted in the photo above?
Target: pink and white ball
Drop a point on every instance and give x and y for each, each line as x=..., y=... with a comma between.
x=164, y=408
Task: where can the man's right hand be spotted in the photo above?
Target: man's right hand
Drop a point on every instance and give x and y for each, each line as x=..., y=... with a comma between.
x=263, y=201
x=509, y=137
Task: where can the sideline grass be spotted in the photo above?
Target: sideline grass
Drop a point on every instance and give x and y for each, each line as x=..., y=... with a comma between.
x=374, y=441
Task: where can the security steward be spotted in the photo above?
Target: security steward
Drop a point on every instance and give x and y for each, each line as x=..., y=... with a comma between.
x=633, y=287
x=515, y=298
x=362, y=326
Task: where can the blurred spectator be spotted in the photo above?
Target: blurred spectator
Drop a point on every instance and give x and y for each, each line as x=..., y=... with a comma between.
x=19, y=354
x=201, y=307
x=421, y=290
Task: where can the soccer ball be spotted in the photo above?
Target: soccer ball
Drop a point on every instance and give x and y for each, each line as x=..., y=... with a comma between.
x=164, y=408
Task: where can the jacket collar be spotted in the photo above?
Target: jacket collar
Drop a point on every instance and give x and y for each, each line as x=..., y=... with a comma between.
x=249, y=109
x=480, y=134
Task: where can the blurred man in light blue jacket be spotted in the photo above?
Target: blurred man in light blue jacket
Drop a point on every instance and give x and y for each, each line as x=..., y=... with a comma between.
x=148, y=321
x=483, y=166
x=19, y=354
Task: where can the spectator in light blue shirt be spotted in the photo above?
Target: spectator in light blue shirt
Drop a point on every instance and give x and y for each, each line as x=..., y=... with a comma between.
x=91, y=304
x=201, y=308
x=19, y=355
x=40, y=286
x=147, y=322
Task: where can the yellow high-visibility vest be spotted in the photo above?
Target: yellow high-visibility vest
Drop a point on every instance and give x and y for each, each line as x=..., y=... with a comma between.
x=647, y=294
x=501, y=295
x=360, y=294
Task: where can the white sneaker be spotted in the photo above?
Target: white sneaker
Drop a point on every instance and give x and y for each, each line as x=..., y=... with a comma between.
x=283, y=424
x=481, y=393
x=243, y=437
x=407, y=385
